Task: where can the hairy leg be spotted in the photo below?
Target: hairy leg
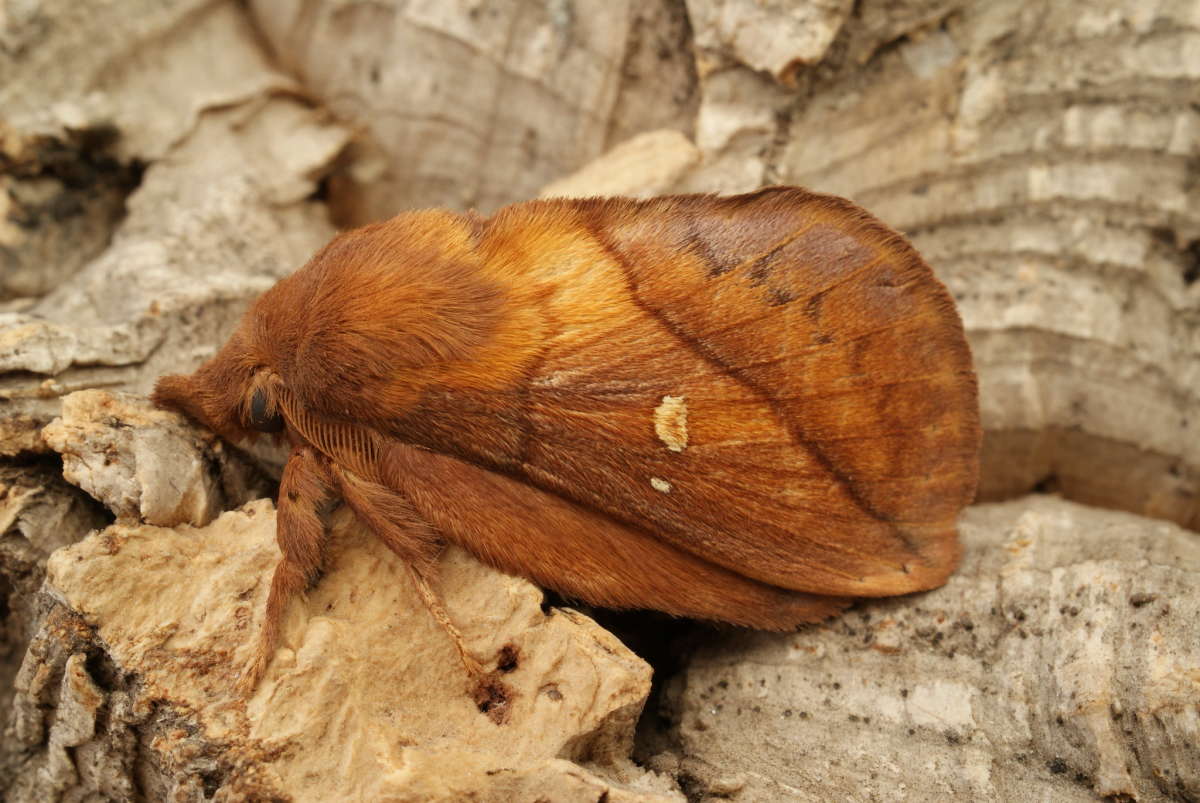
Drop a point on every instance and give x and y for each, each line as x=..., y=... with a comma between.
x=394, y=521
x=300, y=533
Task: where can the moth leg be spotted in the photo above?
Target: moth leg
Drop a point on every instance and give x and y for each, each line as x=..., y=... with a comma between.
x=396, y=522
x=300, y=533
x=433, y=602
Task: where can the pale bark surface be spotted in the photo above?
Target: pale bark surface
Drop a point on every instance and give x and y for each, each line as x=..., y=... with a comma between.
x=469, y=104
x=161, y=163
x=1058, y=663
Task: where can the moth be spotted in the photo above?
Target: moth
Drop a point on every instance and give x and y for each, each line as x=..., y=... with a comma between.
x=749, y=409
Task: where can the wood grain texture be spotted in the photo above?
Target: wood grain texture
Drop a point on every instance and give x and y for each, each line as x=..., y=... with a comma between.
x=746, y=409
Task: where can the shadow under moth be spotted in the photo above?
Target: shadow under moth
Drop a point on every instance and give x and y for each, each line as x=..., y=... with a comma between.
x=747, y=409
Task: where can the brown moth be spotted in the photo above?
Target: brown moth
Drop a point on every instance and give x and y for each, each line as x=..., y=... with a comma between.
x=749, y=409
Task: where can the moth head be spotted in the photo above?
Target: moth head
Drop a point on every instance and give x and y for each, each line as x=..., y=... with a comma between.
x=358, y=333
x=231, y=394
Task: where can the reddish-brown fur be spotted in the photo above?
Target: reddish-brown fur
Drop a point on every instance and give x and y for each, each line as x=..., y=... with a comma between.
x=515, y=385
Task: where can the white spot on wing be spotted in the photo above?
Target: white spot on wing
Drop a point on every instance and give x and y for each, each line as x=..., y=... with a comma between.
x=659, y=484
x=670, y=422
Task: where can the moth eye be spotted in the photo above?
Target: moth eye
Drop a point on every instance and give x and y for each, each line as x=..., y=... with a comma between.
x=259, y=420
